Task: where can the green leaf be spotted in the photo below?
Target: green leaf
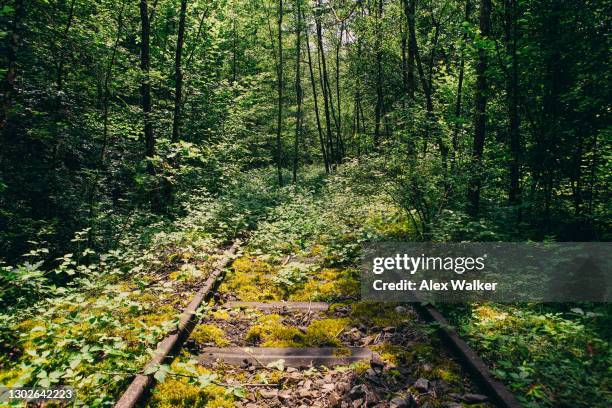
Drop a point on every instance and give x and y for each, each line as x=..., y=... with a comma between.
x=206, y=379
x=240, y=392
x=577, y=310
x=160, y=375
x=278, y=364
x=151, y=369
x=74, y=363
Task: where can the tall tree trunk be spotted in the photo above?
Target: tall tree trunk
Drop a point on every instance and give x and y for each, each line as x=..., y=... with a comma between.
x=191, y=53
x=480, y=108
x=298, y=87
x=325, y=86
x=99, y=175
x=279, y=121
x=234, y=45
x=427, y=85
x=8, y=83
x=149, y=138
x=457, y=129
x=316, y=104
x=403, y=48
x=339, y=143
x=514, y=191
x=431, y=117
x=62, y=56
x=379, y=88
x=178, y=73
x=409, y=11
x=107, y=81
x=358, y=82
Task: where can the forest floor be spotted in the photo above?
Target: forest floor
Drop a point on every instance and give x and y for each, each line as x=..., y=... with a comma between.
x=301, y=243
x=288, y=258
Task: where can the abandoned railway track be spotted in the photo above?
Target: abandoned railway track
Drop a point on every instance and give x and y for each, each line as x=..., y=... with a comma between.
x=319, y=354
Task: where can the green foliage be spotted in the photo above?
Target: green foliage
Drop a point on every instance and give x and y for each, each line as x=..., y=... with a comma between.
x=97, y=328
x=89, y=225
x=548, y=358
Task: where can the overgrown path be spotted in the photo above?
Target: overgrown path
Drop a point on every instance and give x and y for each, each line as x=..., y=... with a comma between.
x=286, y=328
x=100, y=331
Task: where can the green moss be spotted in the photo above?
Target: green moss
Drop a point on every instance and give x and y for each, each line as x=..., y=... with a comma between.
x=379, y=314
x=394, y=355
x=329, y=284
x=317, y=249
x=15, y=377
x=360, y=367
x=271, y=332
x=249, y=281
x=209, y=333
x=334, y=306
x=423, y=351
x=449, y=372
x=179, y=394
x=325, y=332
x=253, y=266
x=275, y=377
x=220, y=314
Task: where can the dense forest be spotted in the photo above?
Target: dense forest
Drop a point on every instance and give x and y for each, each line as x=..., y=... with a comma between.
x=131, y=128
x=494, y=109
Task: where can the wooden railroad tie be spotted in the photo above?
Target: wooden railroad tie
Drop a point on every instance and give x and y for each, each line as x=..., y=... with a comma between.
x=292, y=356
x=299, y=306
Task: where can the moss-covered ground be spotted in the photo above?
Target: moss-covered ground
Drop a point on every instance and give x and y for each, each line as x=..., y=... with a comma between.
x=308, y=250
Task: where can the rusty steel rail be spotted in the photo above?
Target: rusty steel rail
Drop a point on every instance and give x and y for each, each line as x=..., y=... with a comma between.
x=497, y=391
x=173, y=341
x=468, y=357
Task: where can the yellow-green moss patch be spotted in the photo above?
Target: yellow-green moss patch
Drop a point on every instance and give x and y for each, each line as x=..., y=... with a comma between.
x=271, y=332
x=379, y=314
x=325, y=332
x=250, y=281
x=394, y=355
x=179, y=394
x=209, y=333
x=329, y=284
x=220, y=314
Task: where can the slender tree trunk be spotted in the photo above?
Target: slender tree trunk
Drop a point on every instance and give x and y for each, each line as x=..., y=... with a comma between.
x=458, y=126
x=514, y=191
x=191, y=55
x=403, y=48
x=8, y=83
x=149, y=137
x=480, y=107
x=414, y=48
x=234, y=44
x=146, y=83
x=427, y=85
x=409, y=11
x=358, y=81
x=178, y=73
x=99, y=175
x=298, y=87
x=339, y=146
x=431, y=117
x=379, y=88
x=325, y=86
x=279, y=121
x=62, y=56
x=316, y=103
x=107, y=80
